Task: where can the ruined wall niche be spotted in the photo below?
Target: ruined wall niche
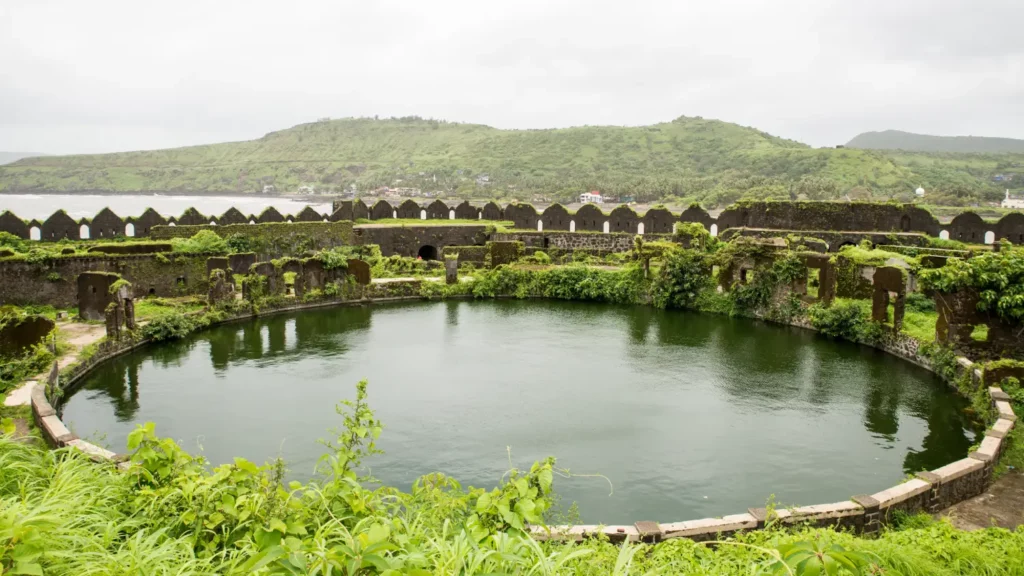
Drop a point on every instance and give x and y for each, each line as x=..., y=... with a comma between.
x=221, y=290
x=94, y=294
x=694, y=213
x=590, y=218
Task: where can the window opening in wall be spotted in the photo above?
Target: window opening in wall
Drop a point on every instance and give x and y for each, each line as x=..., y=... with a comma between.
x=152, y=291
x=746, y=275
x=540, y=225
x=572, y=225
x=813, y=281
x=640, y=228
x=93, y=289
x=990, y=237
x=423, y=214
x=451, y=214
x=607, y=227
x=547, y=242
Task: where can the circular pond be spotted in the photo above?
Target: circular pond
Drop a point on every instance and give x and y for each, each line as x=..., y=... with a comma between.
x=687, y=415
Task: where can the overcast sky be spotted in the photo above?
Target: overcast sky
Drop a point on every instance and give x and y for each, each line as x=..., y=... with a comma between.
x=103, y=75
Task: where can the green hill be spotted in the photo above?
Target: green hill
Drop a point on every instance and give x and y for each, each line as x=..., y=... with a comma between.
x=896, y=140
x=688, y=159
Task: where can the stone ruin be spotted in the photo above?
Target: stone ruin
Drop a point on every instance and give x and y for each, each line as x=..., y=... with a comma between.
x=451, y=270
x=360, y=270
x=889, y=283
x=221, y=289
x=94, y=294
x=826, y=278
x=20, y=334
x=309, y=274
x=959, y=317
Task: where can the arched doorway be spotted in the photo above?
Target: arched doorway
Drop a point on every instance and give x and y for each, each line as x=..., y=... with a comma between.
x=714, y=230
x=572, y=225
x=607, y=228
x=34, y=233
x=540, y=225
x=944, y=235
x=83, y=232
x=427, y=252
x=990, y=237
x=640, y=228
x=129, y=230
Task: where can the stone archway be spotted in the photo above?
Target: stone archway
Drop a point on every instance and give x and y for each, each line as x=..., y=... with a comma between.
x=427, y=252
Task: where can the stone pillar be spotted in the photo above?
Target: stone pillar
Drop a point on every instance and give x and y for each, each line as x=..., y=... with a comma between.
x=113, y=321
x=219, y=288
x=451, y=270
x=129, y=313
x=872, y=514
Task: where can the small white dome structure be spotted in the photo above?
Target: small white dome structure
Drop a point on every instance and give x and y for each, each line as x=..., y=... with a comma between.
x=919, y=191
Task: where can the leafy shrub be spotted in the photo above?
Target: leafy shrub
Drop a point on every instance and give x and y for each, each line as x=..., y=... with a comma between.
x=203, y=242
x=683, y=275
x=238, y=243
x=918, y=302
x=997, y=277
x=840, y=320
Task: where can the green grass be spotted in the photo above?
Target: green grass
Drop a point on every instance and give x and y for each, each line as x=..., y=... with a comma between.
x=152, y=308
x=687, y=159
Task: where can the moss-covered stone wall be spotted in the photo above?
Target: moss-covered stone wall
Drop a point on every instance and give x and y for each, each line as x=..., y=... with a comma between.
x=54, y=282
x=272, y=240
x=409, y=240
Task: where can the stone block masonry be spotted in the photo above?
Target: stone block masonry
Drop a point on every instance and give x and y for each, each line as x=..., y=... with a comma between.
x=55, y=282
x=411, y=240
x=272, y=240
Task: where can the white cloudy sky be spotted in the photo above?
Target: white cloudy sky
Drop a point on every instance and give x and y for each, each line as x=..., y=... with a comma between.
x=108, y=75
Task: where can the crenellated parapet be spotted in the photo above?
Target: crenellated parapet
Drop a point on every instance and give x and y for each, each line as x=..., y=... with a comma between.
x=844, y=221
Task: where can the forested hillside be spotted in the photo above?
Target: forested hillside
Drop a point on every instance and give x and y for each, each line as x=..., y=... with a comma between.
x=897, y=140
x=688, y=159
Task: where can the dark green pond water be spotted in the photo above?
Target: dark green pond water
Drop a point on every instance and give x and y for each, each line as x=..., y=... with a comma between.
x=688, y=415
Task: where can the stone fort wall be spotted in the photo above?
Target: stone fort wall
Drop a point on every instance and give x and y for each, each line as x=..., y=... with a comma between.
x=783, y=216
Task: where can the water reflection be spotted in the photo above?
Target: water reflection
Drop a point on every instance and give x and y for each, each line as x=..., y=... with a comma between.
x=667, y=404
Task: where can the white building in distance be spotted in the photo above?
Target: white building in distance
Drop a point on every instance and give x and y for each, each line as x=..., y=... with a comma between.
x=1013, y=201
x=593, y=196
x=919, y=192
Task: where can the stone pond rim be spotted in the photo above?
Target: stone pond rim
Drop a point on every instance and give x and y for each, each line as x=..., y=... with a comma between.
x=281, y=341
